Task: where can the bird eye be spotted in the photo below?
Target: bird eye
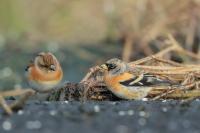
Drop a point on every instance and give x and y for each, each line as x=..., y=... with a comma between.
x=52, y=67
x=111, y=66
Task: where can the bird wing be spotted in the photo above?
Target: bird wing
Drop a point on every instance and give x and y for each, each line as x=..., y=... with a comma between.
x=144, y=80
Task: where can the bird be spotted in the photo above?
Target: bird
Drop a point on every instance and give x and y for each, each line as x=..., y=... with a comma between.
x=44, y=72
x=125, y=84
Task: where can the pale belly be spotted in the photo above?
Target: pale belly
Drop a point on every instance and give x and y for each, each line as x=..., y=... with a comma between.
x=129, y=92
x=43, y=86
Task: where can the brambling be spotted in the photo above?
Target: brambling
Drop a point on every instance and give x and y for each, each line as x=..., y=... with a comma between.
x=123, y=83
x=44, y=73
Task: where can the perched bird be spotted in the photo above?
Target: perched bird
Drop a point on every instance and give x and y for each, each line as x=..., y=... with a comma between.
x=44, y=73
x=123, y=83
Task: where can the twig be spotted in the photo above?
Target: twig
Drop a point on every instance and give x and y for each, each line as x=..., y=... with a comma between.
x=181, y=50
x=90, y=73
x=15, y=92
x=20, y=103
x=163, y=94
x=5, y=106
x=182, y=94
x=159, y=54
x=170, y=62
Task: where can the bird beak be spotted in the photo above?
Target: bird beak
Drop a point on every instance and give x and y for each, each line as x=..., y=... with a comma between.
x=104, y=66
x=53, y=67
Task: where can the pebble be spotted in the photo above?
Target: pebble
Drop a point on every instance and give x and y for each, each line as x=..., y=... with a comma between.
x=130, y=112
x=53, y=112
x=7, y=125
x=145, y=99
x=113, y=103
x=197, y=100
x=142, y=113
x=20, y=112
x=164, y=109
x=96, y=108
x=66, y=102
x=122, y=113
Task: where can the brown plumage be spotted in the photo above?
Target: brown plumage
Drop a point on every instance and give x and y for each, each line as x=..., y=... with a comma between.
x=48, y=59
x=45, y=72
x=125, y=84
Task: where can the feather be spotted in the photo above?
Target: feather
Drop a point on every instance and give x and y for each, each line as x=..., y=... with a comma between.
x=48, y=59
x=145, y=80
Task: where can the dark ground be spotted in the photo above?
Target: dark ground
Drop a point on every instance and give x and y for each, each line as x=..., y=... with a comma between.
x=96, y=117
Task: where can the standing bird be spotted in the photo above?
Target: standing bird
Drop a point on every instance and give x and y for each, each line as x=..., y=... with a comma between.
x=44, y=73
x=124, y=84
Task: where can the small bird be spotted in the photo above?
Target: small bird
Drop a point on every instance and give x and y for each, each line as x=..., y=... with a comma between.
x=44, y=73
x=121, y=81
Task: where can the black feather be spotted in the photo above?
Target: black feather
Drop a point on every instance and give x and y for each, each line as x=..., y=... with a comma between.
x=26, y=69
x=147, y=80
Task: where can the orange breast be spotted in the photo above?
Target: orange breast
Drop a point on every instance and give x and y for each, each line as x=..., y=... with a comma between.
x=37, y=75
x=114, y=82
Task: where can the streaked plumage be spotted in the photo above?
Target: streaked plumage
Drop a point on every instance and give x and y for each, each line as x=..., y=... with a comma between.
x=124, y=84
x=44, y=73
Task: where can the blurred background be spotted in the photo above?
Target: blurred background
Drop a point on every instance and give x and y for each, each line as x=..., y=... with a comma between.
x=85, y=33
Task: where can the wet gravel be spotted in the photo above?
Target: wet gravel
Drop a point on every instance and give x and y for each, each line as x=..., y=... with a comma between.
x=98, y=117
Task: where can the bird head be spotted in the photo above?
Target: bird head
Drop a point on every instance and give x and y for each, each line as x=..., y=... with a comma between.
x=46, y=61
x=114, y=66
